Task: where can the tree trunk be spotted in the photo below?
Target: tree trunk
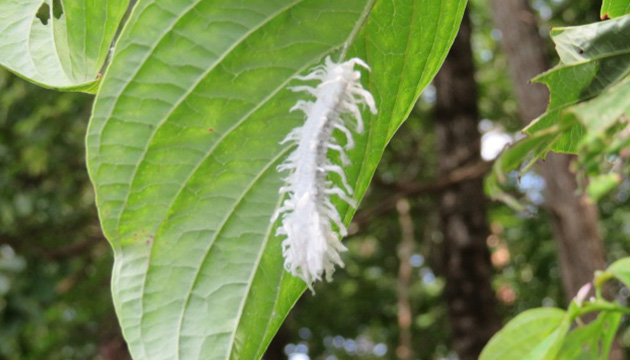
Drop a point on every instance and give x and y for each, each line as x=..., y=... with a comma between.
x=574, y=219
x=466, y=259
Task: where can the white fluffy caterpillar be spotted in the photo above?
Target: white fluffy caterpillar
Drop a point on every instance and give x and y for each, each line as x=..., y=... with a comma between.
x=312, y=246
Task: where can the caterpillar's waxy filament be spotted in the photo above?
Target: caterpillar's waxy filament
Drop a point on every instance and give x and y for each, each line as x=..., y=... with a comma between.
x=311, y=223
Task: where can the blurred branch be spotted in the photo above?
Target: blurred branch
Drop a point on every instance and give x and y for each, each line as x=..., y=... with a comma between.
x=406, y=189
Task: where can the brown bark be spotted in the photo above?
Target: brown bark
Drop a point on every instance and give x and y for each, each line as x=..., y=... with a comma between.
x=403, y=283
x=466, y=259
x=574, y=220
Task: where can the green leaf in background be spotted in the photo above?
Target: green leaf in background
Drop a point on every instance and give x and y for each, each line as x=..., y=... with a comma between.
x=610, y=324
x=519, y=157
x=58, y=44
x=582, y=343
x=184, y=142
x=615, y=8
x=589, y=94
x=592, y=341
x=605, y=110
x=601, y=185
x=620, y=269
x=593, y=58
x=535, y=334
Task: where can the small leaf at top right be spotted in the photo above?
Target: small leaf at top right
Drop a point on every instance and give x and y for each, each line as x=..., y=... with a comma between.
x=615, y=8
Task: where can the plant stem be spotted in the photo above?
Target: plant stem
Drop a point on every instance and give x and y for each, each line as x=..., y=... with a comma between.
x=599, y=305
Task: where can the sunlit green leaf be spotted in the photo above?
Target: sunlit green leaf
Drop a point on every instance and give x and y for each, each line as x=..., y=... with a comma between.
x=601, y=185
x=534, y=334
x=610, y=324
x=58, y=44
x=184, y=141
x=589, y=93
x=621, y=270
x=592, y=341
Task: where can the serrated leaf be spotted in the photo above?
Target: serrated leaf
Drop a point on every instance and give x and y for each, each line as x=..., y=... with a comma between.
x=533, y=334
x=594, y=58
x=615, y=8
x=581, y=343
x=519, y=157
x=184, y=141
x=59, y=48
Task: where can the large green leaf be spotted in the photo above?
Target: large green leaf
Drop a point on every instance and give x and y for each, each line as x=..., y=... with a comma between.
x=534, y=334
x=184, y=141
x=593, y=58
x=614, y=8
x=58, y=44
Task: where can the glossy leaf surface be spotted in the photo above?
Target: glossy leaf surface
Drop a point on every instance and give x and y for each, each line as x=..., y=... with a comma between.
x=591, y=341
x=620, y=269
x=594, y=58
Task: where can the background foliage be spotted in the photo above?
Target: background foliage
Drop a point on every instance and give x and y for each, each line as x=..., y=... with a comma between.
x=54, y=276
